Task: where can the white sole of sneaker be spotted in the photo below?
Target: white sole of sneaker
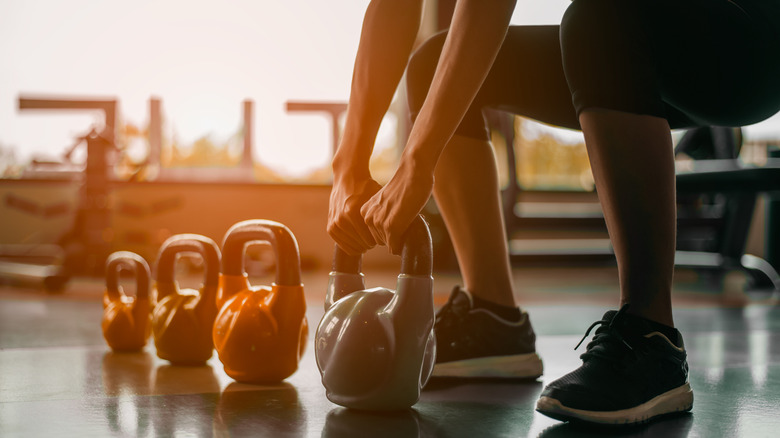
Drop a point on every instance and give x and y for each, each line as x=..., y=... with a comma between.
x=518, y=366
x=679, y=399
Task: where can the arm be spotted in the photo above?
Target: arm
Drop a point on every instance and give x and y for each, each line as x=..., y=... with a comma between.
x=477, y=32
x=389, y=30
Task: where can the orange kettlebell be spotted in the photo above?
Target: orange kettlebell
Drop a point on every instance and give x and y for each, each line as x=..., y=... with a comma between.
x=182, y=319
x=260, y=332
x=126, y=320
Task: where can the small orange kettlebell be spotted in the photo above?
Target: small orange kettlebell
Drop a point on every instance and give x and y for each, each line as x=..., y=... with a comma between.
x=126, y=320
x=182, y=319
x=260, y=332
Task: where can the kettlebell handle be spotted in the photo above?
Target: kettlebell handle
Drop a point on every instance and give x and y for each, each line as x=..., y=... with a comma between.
x=196, y=243
x=288, y=259
x=130, y=261
x=345, y=263
x=416, y=255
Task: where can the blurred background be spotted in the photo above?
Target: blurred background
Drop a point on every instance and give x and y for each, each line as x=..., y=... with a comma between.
x=124, y=122
x=202, y=59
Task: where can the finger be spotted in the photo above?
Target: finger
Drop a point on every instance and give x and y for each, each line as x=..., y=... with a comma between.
x=376, y=232
x=396, y=242
x=366, y=211
x=349, y=226
x=348, y=246
x=395, y=245
x=361, y=230
x=360, y=236
x=346, y=240
x=397, y=238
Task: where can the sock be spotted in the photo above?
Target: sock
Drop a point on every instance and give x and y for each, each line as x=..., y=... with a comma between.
x=669, y=332
x=504, y=312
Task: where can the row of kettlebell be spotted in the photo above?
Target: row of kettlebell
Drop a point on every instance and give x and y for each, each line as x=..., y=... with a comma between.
x=259, y=333
x=374, y=348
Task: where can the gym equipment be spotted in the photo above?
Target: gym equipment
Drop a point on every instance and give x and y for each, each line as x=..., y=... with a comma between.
x=126, y=320
x=333, y=110
x=738, y=186
x=34, y=266
x=375, y=348
x=182, y=319
x=260, y=332
x=716, y=203
x=85, y=245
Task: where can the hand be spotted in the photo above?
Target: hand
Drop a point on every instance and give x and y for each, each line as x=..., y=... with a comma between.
x=391, y=210
x=345, y=224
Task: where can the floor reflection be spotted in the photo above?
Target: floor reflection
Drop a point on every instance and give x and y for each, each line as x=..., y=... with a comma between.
x=347, y=423
x=251, y=410
x=478, y=407
x=677, y=426
x=183, y=402
x=177, y=379
x=125, y=375
x=184, y=414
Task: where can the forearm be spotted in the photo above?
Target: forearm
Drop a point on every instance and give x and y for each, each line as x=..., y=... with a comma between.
x=474, y=39
x=386, y=40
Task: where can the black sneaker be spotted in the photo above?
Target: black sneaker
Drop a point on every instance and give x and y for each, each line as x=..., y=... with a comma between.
x=630, y=374
x=474, y=342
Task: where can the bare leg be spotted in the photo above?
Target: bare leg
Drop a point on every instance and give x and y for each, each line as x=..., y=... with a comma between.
x=633, y=164
x=467, y=194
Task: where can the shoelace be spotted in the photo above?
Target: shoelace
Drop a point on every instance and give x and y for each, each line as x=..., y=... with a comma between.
x=607, y=335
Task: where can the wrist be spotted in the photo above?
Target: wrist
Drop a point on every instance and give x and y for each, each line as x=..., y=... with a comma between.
x=422, y=161
x=352, y=155
x=349, y=167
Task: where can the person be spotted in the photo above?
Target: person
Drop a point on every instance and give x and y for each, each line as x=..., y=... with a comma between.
x=625, y=72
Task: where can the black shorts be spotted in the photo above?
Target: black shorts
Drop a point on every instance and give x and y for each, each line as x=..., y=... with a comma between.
x=692, y=62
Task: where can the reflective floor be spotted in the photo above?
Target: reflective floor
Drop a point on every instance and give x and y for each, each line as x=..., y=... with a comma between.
x=58, y=378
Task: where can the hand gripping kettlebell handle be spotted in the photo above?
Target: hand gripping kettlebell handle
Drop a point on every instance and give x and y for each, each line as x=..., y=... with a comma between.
x=416, y=255
x=130, y=261
x=281, y=239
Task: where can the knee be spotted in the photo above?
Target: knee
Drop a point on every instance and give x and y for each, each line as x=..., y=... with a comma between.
x=419, y=72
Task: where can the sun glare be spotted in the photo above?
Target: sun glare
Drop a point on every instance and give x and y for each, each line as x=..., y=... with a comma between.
x=202, y=59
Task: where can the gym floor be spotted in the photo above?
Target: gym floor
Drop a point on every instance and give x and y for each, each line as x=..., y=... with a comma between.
x=59, y=378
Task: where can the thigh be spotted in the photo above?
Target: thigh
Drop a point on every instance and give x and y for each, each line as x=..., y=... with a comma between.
x=526, y=79
x=718, y=62
x=693, y=62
